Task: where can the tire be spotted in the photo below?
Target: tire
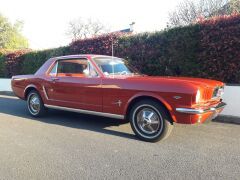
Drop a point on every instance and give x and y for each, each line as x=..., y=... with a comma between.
x=150, y=121
x=35, y=104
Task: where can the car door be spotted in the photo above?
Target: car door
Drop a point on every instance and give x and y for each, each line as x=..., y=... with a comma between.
x=72, y=83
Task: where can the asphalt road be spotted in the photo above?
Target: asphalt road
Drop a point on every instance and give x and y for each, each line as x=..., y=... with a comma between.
x=66, y=145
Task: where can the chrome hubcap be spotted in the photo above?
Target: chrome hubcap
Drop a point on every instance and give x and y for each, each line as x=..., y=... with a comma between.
x=148, y=120
x=34, y=104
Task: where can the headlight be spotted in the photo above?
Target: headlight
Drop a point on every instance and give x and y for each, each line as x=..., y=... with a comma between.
x=220, y=92
x=198, y=96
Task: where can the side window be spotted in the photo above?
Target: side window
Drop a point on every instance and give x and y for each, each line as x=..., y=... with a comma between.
x=73, y=68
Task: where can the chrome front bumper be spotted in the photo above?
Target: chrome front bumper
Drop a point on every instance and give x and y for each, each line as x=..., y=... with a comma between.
x=201, y=111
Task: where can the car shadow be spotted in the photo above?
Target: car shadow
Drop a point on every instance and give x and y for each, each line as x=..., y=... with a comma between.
x=16, y=107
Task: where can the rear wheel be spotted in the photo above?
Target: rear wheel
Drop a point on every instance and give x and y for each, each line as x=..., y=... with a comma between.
x=150, y=121
x=35, y=104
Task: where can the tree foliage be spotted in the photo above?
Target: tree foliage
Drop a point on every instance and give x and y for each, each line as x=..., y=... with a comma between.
x=85, y=28
x=10, y=35
x=234, y=6
x=189, y=11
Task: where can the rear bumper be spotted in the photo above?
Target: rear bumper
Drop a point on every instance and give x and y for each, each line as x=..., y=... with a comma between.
x=201, y=115
x=201, y=111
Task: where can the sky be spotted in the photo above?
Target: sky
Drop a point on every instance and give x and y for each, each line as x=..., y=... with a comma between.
x=46, y=21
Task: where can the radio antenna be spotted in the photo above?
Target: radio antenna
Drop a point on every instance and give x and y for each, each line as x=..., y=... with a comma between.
x=112, y=48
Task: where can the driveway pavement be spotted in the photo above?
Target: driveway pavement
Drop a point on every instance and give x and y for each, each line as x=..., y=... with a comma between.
x=66, y=145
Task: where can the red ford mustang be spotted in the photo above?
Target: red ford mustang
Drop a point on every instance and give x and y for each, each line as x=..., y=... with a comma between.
x=107, y=86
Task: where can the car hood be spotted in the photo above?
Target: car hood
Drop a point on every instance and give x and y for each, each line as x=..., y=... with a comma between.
x=182, y=80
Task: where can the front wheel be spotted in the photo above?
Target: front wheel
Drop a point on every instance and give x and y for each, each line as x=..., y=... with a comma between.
x=35, y=104
x=150, y=121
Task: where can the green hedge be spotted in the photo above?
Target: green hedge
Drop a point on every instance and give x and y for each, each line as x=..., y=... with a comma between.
x=33, y=60
x=2, y=65
x=209, y=49
x=219, y=51
x=170, y=52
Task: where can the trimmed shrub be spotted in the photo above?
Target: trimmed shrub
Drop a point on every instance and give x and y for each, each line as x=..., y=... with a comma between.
x=3, y=53
x=2, y=67
x=35, y=59
x=13, y=63
x=170, y=52
x=209, y=49
x=97, y=45
x=219, y=52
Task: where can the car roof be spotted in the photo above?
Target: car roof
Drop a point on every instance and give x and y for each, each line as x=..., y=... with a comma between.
x=80, y=56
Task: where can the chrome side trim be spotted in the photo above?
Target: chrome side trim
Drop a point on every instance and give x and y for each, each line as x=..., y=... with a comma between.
x=45, y=93
x=201, y=111
x=116, y=116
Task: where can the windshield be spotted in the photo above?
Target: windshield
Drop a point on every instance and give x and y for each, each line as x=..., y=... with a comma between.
x=114, y=66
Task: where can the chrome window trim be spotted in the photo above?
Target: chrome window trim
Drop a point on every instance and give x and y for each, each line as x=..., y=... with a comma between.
x=57, y=68
x=89, y=63
x=116, y=116
x=55, y=64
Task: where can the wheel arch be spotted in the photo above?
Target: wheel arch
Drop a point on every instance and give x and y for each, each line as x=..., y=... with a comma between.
x=153, y=97
x=28, y=89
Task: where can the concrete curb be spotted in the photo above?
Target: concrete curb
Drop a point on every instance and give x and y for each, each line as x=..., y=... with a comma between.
x=7, y=93
x=227, y=119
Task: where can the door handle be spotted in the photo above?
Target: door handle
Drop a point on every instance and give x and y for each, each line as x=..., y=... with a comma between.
x=55, y=79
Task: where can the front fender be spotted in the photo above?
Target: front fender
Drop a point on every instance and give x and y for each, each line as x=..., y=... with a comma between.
x=151, y=95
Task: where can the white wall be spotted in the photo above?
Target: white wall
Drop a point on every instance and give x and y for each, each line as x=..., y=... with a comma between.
x=231, y=97
x=5, y=85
